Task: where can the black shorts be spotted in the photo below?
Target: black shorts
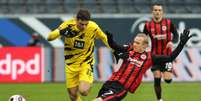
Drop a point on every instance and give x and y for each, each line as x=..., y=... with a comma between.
x=158, y=67
x=112, y=91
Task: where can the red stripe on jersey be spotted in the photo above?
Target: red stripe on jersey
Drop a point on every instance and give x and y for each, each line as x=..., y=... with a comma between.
x=121, y=93
x=108, y=98
x=164, y=31
x=135, y=85
x=147, y=26
x=132, y=77
x=138, y=75
x=138, y=78
x=116, y=75
x=152, y=34
x=131, y=69
x=169, y=38
x=133, y=73
x=123, y=69
x=159, y=42
x=125, y=75
x=160, y=35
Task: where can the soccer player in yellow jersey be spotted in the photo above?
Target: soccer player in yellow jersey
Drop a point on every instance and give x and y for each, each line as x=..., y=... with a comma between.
x=80, y=34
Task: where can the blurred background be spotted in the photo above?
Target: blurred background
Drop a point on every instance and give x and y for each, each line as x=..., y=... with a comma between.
x=28, y=60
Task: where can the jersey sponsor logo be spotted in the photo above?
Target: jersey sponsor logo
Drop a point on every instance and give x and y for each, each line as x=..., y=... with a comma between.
x=164, y=28
x=79, y=44
x=135, y=62
x=143, y=56
x=160, y=37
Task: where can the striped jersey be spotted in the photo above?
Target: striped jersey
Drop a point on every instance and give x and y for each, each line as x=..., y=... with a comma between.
x=160, y=34
x=80, y=48
x=131, y=72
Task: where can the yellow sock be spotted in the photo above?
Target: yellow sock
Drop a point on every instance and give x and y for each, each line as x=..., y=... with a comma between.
x=79, y=99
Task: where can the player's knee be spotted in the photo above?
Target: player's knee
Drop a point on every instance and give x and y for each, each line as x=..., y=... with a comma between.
x=168, y=81
x=84, y=92
x=157, y=81
x=84, y=88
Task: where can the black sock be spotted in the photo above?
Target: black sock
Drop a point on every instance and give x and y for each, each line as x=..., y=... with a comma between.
x=157, y=87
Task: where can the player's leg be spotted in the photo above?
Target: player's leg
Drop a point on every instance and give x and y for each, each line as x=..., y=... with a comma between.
x=85, y=79
x=84, y=88
x=73, y=93
x=72, y=83
x=110, y=95
x=101, y=91
x=167, y=73
x=167, y=76
x=157, y=81
x=111, y=91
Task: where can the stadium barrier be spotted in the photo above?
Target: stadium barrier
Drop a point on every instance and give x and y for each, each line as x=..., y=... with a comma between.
x=36, y=64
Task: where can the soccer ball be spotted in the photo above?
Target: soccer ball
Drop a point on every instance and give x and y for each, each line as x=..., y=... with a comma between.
x=16, y=98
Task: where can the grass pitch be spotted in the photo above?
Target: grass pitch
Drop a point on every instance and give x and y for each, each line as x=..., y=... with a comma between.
x=57, y=92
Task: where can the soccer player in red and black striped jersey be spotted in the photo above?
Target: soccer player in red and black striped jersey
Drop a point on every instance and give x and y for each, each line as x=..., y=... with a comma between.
x=161, y=32
x=136, y=61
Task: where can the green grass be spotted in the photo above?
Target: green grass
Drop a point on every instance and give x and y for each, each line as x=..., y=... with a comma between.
x=57, y=92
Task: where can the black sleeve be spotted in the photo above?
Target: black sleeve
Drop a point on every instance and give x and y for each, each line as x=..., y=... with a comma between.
x=174, y=32
x=145, y=30
x=115, y=46
x=161, y=59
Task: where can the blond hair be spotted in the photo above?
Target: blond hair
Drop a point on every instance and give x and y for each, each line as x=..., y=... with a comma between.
x=144, y=36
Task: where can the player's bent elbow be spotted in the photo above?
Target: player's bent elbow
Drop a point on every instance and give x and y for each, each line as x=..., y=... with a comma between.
x=53, y=35
x=49, y=39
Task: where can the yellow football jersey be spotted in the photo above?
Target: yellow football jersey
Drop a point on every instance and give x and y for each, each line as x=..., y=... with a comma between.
x=80, y=48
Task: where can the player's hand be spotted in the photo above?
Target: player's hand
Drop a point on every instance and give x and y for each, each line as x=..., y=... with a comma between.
x=68, y=32
x=169, y=45
x=109, y=35
x=185, y=36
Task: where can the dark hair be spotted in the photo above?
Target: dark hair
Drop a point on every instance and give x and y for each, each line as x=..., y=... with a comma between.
x=156, y=4
x=83, y=14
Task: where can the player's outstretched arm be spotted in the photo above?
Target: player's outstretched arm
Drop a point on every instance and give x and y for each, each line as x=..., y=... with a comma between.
x=53, y=35
x=113, y=44
x=66, y=32
x=159, y=59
